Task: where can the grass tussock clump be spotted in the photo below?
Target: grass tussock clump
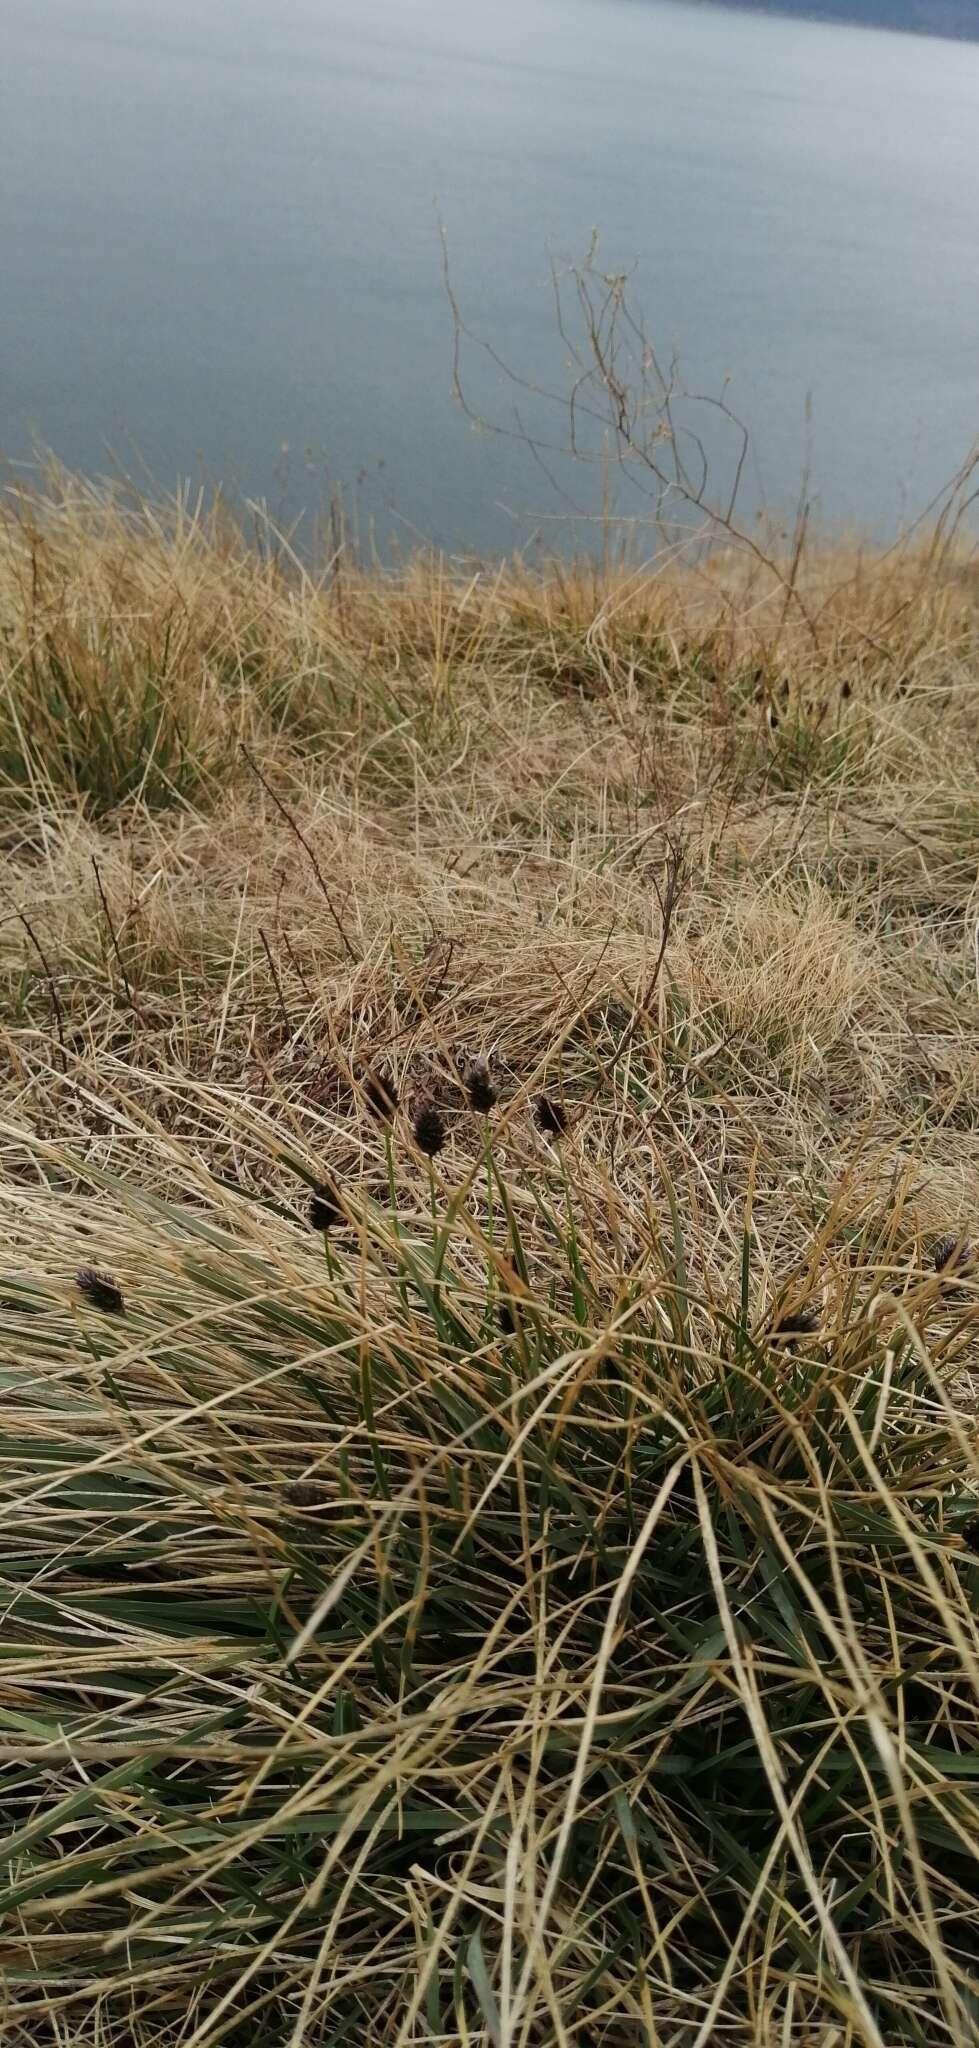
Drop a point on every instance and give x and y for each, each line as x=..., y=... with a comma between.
x=786, y=966
x=489, y=1482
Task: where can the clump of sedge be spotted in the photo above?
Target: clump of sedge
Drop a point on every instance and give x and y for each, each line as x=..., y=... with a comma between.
x=481, y=1093
x=429, y=1129
x=100, y=1289
x=550, y=1116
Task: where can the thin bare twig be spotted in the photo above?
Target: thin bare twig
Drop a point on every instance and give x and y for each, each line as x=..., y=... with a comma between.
x=668, y=897
x=288, y=818
x=117, y=950
x=619, y=386
x=297, y=968
x=273, y=970
x=51, y=984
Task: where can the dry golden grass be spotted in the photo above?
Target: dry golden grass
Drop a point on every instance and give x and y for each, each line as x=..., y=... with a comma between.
x=492, y=1624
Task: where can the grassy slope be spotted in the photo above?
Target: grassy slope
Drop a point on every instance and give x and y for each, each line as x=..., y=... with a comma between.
x=483, y=1625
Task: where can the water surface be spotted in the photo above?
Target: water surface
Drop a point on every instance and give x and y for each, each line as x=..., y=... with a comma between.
x=218, y=239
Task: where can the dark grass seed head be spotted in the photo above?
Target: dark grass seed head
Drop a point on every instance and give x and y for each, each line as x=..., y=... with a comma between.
x=429, y=1129
x=381, y=1096
x=304, y=1493
x=100, y=1289
x=481, y=1092
x=797, y=1322
x=550, y=1116
x=952, y=1254
x=324, y=1209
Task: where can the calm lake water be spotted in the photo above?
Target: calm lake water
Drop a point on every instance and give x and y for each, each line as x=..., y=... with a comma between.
x=218, y=241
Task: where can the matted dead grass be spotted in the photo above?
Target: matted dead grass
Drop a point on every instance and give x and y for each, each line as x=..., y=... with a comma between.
x=540, y=1611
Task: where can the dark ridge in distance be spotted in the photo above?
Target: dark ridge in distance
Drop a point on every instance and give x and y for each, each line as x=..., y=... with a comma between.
x=958, y=19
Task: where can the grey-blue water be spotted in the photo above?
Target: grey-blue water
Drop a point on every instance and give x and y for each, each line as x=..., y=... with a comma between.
x=218, y=242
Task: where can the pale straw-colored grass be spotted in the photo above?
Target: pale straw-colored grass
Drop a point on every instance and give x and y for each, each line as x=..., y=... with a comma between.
x=543, y=1611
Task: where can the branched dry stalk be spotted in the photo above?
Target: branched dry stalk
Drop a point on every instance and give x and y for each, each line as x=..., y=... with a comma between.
x=520, y=1589
x=679, y=455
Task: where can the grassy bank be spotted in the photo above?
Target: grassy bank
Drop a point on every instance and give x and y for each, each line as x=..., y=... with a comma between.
x=537, y=1604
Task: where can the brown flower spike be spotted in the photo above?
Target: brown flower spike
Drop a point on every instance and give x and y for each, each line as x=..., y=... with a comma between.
x=797, y=1322
x=480, y=1090
x=381, y=1096
x=429, y=1129
x=100, y=1289
x=953, y=1253
x=324, y=1209
x=550, y=1117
